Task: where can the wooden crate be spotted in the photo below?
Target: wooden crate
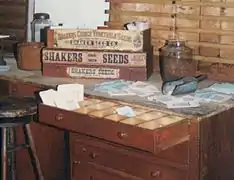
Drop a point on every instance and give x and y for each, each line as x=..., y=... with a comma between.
x=206, y=25
x=95, y=72
x=98, y=58
x=99, y=39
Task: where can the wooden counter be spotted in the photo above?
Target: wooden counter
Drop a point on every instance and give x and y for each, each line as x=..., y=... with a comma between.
x=198, y=146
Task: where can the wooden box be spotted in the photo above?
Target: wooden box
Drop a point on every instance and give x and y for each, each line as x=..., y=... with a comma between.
x=96, y=64
x=29, y=55
x=101, y=39
x=150, y=130
x=206, y=25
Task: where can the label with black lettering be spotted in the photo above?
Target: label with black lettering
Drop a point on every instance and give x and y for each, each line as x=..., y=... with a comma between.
x=102, y=73
x=98, y=39
x=94, y=58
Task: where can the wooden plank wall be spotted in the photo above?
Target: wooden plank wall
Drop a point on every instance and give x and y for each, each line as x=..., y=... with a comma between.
x=13, y=21
x=207, y=25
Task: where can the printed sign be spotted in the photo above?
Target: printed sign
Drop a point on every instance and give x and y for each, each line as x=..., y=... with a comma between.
x=102, y=73
x=94, y=58
x=98, y=39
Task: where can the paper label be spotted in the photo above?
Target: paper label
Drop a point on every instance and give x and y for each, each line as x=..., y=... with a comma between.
x=93, y=58
x=98, y=39
x=103, y=73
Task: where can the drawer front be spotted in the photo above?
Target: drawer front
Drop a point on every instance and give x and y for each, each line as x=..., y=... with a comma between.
x=126, y=134
x=92, y=171
x=20, y=89
x=100, y=128
x=127, y=161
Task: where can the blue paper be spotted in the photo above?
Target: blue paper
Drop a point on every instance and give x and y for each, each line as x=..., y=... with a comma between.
x=226, y=88
x=126, y=111
x=4, y=68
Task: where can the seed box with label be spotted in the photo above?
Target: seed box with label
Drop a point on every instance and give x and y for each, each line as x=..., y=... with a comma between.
x=100, y=39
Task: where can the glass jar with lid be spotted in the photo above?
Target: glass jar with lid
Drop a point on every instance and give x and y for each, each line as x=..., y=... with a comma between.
x=40, y=22
x=176, y=60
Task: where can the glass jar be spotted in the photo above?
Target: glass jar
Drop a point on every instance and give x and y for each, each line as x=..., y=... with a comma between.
x=176, y=60
x=38, y=25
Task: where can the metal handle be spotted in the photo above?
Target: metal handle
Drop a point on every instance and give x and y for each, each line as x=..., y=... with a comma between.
x=76, y=162
x=59, y=117
x=122, y=135
x=73, y=166
x=93, y=155
x=156, y=173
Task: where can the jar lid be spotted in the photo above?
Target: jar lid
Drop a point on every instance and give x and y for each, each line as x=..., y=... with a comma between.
x=41, y=16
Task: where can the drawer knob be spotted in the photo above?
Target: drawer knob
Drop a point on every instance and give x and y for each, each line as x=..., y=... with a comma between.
x=93, y=155
x=13, y=90
x=59, y=117
x=156, y=173
x=122, y=135
x=76, y=162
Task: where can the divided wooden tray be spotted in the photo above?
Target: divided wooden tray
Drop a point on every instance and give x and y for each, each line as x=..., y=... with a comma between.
x=150, y=130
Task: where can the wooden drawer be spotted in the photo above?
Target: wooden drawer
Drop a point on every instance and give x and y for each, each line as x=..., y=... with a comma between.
x=22, y=89
x=146, y=138
x=125, y=160
x=92, y=171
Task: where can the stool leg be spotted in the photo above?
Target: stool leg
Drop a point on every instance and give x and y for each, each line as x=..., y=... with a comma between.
x=12, y=154
x=4, y=154
x=32, y=152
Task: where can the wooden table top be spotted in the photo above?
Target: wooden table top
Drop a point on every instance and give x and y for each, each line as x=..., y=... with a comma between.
x=35, y=77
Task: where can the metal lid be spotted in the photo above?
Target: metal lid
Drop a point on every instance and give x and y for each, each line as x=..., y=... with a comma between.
x=41, y=16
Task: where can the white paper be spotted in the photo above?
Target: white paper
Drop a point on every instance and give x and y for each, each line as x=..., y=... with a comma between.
x=66, y=97
x=176, y=102
x=73, y=91
x=142, y=89
x=63, y=102
x=182, y=104
x=48, y=97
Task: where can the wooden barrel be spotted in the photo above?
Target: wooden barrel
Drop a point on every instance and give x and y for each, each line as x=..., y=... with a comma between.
x=29, y=55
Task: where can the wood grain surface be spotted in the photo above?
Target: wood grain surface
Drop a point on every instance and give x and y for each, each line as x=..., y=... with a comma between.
x=206, y=25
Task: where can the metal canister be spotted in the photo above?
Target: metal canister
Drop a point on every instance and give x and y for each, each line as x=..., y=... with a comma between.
x=176, y=60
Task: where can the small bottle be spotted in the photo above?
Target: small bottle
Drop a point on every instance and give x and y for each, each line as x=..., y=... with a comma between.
x=39, y=23
x=176, y=60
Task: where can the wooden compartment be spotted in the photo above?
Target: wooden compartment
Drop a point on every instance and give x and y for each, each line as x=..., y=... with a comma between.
x=206, y=25
x=101, y=39
x=149, y=130
x=92, y=57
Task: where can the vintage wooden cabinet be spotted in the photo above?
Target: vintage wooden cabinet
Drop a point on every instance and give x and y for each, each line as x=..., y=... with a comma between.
x=197, y=145
x=154, y=145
